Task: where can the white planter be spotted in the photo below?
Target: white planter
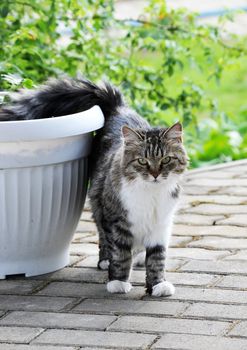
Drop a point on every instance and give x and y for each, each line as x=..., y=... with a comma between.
x=43, y=184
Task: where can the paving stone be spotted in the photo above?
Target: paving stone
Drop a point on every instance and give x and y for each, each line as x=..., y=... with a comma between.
x=18, y=334
x=218, y=267
x=87, y=205
x=224, y=231
x=202, y=190
x=214, y=199
x=235, y=220
x=217, y=182
x=166, y=325
x=86, y=216
x=196, y=253
x=89, y=261
x=191, y=342
x=74, y=259
x=233, y=191
x=196, y=279
x=75, y=274
x=196, y=219
x=57, y=320
x=5, y=346
x=174, y=264
x=220, y=243
x=241, y=255
x=86, y=338
x=78, y=236
x=86, y=226
x=130, y=307
x=217, y=209
x=182, y=206
x=210, y=295
x=137, y=276
x=33, y=303
x=177, y=241
x=82, y=237
x=84, y=249
x=18, y=286
x=89, y=348
x=87, y=290
x=191, y=279
x=233, y=282
x=236, y=169
x=208, y=253
x=91, y=239
x=216, y=311
x=240, y=330
x=213, y=175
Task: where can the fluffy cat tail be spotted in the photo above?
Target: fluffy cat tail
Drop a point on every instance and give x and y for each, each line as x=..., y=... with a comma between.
x=62, y=97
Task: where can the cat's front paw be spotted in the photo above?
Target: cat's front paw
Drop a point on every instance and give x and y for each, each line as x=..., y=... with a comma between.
x=118, y=286
x=163, y=289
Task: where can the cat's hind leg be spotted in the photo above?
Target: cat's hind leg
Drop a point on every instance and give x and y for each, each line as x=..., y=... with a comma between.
x=103, y=262
x=104, y=254
x=95, y=196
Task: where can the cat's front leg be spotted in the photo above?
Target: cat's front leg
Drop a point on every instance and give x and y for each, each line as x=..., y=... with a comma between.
x=120, y=263
x=155, y=272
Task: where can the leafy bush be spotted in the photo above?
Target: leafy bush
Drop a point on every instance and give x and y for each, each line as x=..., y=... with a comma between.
x=152, y=59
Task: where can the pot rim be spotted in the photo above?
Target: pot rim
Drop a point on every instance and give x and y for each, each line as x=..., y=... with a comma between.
x=52, y=128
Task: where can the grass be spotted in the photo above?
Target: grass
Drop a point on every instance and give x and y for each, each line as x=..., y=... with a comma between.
x=222, y=143
x=231, y=91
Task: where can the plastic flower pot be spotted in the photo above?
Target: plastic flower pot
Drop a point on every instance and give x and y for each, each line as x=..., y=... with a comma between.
x=43, y=185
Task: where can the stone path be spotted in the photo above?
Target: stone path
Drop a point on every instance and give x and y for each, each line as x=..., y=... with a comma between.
x=70, y=309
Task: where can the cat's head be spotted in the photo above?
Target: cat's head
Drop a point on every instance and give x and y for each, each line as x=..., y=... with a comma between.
x=153, y=154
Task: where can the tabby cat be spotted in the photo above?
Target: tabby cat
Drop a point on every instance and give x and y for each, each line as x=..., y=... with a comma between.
x=135, y=175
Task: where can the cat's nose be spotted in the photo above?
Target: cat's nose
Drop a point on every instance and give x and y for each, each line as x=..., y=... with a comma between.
x=154, y=173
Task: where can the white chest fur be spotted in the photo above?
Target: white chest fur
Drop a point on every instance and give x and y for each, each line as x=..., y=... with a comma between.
x=150, y=209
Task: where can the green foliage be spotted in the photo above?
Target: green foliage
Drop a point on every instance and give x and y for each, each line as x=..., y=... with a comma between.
x=153, y=60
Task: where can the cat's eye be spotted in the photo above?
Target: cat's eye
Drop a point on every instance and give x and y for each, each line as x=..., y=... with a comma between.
x=142, y=161
x=166, y=160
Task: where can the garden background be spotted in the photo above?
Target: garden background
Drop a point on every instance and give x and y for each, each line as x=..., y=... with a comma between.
x=170, y=65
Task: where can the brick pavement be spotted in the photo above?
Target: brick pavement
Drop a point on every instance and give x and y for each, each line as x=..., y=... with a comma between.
x=71, y=310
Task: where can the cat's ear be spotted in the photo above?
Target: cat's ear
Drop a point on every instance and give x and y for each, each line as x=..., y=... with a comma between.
x=175, y=132
x=130, y=134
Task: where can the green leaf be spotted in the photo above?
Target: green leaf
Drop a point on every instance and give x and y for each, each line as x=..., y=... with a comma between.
x=161, y=61
x=27, y=83
x=4, y=10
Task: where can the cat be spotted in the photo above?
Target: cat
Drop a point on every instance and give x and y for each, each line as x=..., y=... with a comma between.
x=135, y=174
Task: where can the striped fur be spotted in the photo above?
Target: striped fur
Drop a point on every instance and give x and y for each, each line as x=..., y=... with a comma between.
x=135, y=174
x=155, y=266
x=133, y=204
